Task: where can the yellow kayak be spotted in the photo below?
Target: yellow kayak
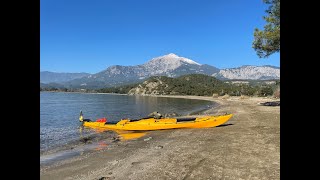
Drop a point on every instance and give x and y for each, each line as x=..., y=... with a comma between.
x=163, y=123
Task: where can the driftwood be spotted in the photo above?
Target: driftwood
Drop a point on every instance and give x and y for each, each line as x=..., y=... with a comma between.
x=273, y=103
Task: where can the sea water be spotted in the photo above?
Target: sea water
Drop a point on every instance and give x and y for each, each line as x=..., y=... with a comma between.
x=59, y=113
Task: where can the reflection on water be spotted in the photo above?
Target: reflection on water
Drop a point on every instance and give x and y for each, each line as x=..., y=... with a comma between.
x=100, y=145
x=127, y=135
x=124, y=135
x=98, y=141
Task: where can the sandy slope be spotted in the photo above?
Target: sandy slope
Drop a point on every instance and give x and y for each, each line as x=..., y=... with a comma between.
x=246, y=147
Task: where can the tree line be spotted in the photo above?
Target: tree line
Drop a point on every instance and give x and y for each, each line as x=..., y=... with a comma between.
x=198, y=85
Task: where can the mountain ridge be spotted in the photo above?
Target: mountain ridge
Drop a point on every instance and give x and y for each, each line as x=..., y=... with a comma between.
x=249, y=72
x=59, y=77
x=170, y=65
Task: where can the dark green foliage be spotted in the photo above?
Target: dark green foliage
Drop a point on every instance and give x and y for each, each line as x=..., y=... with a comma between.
x=198, y=85
x=193, y=84
x=267, y=41
x=119, y=90
x=265, y=91
x=60, y=89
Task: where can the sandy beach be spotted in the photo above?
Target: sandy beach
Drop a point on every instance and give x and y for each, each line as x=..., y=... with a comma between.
x=246, y=147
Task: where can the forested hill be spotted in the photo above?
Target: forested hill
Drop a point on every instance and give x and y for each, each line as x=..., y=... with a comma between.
x=192, y=84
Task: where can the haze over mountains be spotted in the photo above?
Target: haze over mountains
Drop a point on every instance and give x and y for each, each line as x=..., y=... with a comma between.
x=169, y=65
x=53, y=77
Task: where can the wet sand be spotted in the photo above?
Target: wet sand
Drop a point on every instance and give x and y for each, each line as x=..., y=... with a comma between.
x=246, y=147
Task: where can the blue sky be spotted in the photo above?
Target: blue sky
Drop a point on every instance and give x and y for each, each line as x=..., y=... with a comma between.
x=90, y=35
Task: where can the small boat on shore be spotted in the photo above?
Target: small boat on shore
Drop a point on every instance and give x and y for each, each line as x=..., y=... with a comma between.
x=151, y=123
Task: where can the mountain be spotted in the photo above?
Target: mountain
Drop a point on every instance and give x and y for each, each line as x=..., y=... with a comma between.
x=53, y=77
x=51, y=85
x=169, y=65
x=249, y=73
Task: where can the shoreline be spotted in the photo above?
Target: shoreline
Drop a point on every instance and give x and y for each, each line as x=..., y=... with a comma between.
x=208, y=98
x=220, y=100
x=90, y=142
x=236, y=150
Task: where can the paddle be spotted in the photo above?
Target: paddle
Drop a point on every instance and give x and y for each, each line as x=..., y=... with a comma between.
x=81, y=119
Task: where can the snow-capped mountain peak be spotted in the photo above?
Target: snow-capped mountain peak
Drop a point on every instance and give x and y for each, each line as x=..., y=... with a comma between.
x=172, y=59
x=167, y=63
x=171, y=55
x=171, y=65
x=183, y=59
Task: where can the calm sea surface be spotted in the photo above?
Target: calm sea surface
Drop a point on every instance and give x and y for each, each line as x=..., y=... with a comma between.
x=59, y=112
